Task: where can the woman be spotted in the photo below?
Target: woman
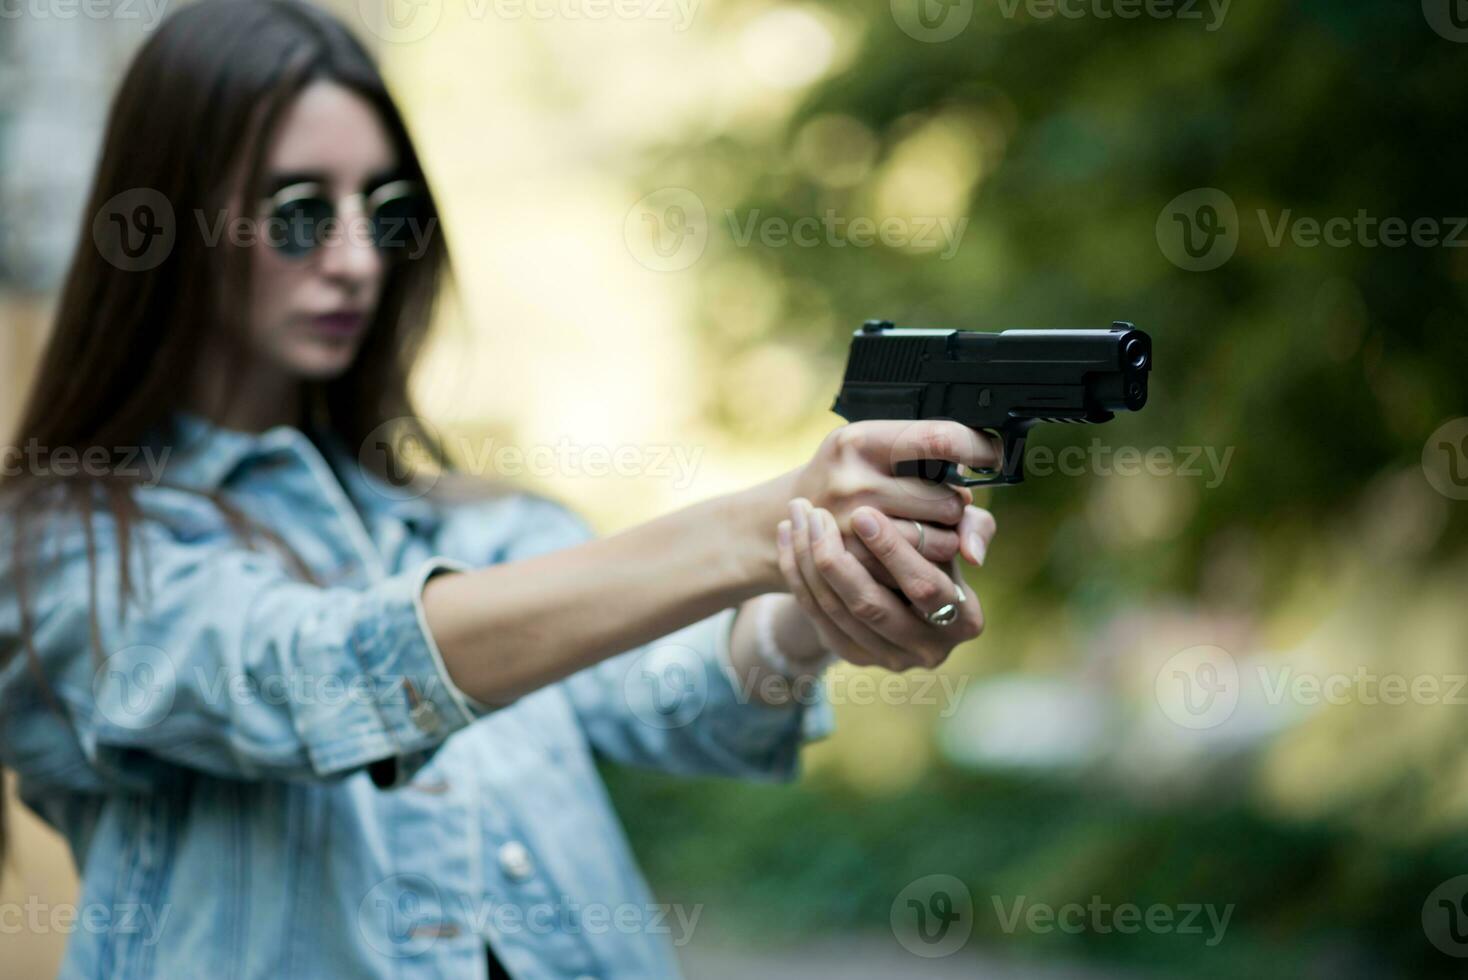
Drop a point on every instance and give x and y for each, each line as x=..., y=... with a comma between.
x=295, y=718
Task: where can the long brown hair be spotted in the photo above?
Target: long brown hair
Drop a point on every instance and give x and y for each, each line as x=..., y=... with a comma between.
x=191, y=122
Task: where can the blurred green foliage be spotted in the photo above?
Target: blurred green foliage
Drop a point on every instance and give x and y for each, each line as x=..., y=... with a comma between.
x=778, y=865
x=1324, y=367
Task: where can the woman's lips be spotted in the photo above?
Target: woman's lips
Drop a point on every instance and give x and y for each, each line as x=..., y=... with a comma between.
x=339, y=324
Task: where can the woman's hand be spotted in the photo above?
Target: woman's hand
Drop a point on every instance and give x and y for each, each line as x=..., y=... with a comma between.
x=855, y=466
x=859, y=619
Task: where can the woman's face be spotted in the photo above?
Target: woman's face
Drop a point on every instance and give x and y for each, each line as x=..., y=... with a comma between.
x=310, y=313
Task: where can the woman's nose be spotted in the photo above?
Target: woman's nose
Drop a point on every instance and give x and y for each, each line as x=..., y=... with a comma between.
x=348, y=252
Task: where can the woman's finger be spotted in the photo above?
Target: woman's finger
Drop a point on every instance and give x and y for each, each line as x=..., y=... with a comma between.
x=970, y=622
x=939, y=545
x=887, y=442
x=915, y=499
x=832, y=637
x=975, y=532
x=866, y=611
x=919, y=579
x=810, y=531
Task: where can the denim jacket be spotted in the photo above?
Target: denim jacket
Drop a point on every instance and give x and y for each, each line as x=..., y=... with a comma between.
x=264, y=777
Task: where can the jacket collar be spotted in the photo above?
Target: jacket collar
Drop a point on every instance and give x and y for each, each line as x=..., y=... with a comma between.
x=203, y=456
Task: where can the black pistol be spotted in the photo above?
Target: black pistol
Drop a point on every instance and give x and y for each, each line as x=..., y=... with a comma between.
x=1002, y=383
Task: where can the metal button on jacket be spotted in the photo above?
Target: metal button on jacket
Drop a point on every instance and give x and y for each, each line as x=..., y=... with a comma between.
x=515, y=861
x=426, y=717
x=421, y=710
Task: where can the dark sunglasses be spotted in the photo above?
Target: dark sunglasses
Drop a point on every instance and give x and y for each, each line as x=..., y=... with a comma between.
x=298, y=217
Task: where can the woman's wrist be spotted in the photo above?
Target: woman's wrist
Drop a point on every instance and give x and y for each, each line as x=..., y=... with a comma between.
x=748, y=526
x=785, y=639
x=755, y=672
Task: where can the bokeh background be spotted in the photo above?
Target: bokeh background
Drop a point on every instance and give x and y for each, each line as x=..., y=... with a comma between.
x=663, y=220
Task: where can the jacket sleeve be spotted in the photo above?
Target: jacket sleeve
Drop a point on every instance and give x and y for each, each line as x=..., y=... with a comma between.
x=223, y=662
x=673, y=704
